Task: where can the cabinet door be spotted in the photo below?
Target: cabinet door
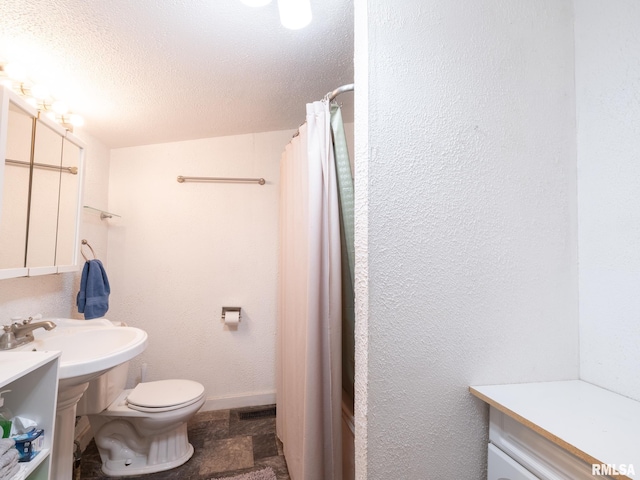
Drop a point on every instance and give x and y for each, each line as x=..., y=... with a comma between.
x=45, y=189
x=66, y=248
x=16, y=127
x=502, y=467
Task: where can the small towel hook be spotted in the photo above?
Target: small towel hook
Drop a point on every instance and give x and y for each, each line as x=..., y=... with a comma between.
x=84, y=242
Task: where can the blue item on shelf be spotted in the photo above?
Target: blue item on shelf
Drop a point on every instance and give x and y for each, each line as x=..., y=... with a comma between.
x=29, y=444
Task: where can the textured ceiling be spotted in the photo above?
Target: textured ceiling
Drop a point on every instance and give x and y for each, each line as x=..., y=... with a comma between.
x=151, y=71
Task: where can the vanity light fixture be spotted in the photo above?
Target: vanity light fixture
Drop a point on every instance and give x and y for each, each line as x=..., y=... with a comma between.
x=59, y=107
x=70, y=121
x=76, y=120
x=56, y=107
x=39, y=91
x=13, y=72
x=13, y=76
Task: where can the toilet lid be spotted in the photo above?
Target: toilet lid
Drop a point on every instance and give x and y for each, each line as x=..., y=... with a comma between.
x=165, y=393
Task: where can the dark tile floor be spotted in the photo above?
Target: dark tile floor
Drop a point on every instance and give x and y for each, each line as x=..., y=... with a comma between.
x=226, y=443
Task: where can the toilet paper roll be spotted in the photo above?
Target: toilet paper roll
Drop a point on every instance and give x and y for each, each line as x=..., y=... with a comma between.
x=232, y=319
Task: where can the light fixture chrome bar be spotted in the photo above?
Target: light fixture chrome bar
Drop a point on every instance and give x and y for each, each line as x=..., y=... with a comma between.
x=260, y=181
x=20, y=163
x=344, y=88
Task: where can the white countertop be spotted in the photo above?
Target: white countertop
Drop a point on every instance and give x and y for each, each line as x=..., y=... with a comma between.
x=594, y=424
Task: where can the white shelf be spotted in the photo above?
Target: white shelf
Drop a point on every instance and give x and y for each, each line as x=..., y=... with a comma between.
x=32, y=378
x=27, y=468
x=594, y=424
x=14, y=365
x=103, y=213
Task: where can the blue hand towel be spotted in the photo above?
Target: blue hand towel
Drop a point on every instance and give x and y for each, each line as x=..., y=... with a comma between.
x=93, y=297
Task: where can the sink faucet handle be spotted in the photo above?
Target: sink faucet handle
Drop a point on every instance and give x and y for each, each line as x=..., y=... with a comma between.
x=27, y=321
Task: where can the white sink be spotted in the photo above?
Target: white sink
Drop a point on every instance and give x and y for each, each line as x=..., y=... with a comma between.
x=89, y=347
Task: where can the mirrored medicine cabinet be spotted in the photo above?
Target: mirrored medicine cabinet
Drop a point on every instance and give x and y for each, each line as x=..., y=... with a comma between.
x=40, y=191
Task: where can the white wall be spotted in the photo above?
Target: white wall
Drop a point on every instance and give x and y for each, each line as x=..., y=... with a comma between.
x=361, y=236
x=181, y=252
x=55, y=295
x=608, y=113
x=472, y=248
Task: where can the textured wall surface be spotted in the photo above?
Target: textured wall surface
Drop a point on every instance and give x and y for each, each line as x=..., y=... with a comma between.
x=183, y=251
x=55, y=295
x=149, y=72
x=608, y=106
x=472, y=234
x=361, y=219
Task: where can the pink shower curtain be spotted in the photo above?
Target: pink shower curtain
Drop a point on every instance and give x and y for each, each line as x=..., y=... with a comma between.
x=309, y=376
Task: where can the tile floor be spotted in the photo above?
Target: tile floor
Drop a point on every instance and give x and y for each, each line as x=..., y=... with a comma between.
x=225, y=442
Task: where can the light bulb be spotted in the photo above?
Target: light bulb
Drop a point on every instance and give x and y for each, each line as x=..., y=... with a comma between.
x=256, y=3
x=76, y=120
x=59, y=107
x=15, y=71
x=39, y=91
x=294, y=14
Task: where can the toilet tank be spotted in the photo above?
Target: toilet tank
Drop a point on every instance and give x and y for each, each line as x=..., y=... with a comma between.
x=103, y=390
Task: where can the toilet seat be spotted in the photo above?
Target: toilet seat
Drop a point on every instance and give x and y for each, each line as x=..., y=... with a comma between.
x=164, y=395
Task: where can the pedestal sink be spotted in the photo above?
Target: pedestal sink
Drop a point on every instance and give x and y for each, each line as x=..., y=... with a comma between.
x=89, y=349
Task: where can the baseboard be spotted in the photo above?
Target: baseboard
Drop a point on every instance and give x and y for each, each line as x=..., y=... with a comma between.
x=239, y=401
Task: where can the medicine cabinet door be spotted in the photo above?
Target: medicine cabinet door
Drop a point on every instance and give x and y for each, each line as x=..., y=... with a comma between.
x=68, y=209
x=45, y=189
x=16, y=129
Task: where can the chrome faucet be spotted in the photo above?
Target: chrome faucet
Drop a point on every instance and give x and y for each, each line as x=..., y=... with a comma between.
x=18, y=334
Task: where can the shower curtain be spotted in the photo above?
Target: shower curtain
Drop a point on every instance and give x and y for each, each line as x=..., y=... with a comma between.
x=309, y=375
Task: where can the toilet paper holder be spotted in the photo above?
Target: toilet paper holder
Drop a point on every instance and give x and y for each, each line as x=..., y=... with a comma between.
x=232, y=309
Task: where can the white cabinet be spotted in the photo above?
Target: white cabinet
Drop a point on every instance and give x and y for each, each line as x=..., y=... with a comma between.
x=40, y=191
x=32, y=378
x=564, y=430
x=531, y=452
x=502, y=467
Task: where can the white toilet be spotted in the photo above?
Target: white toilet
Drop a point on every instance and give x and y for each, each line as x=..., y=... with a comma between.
x=144, y=429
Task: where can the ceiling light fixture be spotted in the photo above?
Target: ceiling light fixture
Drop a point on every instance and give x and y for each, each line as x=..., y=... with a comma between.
x=256, y=3
x=294, y=14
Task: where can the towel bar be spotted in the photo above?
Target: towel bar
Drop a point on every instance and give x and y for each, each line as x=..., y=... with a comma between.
x=84, y=242
x=260, y=181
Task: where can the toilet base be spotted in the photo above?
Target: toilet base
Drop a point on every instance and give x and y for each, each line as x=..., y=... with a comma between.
x=138, y=465
x=134, y=442
x=125, y=453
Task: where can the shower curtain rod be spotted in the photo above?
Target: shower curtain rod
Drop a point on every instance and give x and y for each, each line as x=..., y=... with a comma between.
x=344, y=88
x=331, y=96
